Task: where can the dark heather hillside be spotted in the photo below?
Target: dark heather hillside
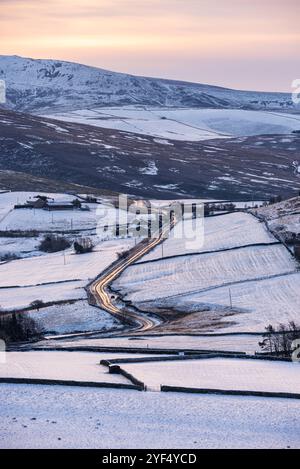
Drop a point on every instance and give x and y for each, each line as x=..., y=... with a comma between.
x=112, y=160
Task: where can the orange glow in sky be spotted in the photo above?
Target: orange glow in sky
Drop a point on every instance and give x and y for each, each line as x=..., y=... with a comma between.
x=236, y=43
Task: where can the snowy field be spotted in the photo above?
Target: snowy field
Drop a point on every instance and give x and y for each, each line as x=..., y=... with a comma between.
x=220, y=373
x=185, y=124
x=66, y=417
x=77, y=366
x=20, y=247
x=18, y=298
x=58, y=267
x=74, y=270
x=38, y=220
x=261, y=282
x=72, y=318
x=221, y=232
x=269, y=301
x=283, y=217
x=58, y=276
x=9, y=199
x=44, y=220
x=191, y=274
x=238, y=343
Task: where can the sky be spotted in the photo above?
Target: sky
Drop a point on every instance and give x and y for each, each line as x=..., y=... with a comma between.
x=243, y=44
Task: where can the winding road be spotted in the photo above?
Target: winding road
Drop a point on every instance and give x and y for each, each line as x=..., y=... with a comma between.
x=99, y=288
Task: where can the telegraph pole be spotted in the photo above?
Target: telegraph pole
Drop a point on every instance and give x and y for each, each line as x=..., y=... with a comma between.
x=230, y=298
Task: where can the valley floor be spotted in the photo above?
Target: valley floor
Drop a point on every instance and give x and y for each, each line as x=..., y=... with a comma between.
x=214, y=295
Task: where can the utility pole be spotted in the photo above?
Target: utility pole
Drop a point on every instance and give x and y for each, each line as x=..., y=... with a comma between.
x=64, y=254
x=230, y=298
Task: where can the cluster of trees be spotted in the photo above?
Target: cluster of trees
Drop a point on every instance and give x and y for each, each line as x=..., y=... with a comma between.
x=275, y=199
x=297, y=252
x=83, y=245
x=279, y=341
x=123, y=254
x=18, y=328
x=224, y=207
x=76, y=203
x=53, y=243
x=8, y=256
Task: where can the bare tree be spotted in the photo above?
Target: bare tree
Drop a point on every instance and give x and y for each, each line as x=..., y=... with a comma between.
x=18, y=327
x=278, y=341
x=83, y=245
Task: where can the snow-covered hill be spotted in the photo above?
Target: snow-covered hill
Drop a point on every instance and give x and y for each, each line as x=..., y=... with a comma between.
x=43, y=85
